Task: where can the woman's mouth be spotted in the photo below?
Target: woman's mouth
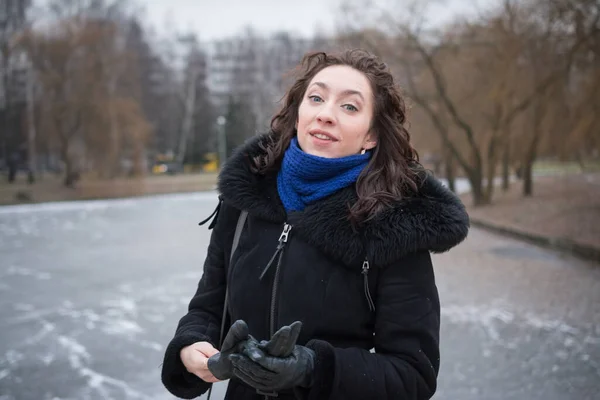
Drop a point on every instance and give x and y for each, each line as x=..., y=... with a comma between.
x=322, y=136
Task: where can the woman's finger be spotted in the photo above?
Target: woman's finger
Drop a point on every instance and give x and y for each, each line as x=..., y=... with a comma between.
x=210, y=378
x=248, y=380
x=254, y=370
x=251, y=350
x=206, y=376
x=295, y=329
x=278, y=342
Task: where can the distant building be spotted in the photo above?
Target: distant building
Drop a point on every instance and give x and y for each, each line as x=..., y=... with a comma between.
x=13, y=66
x=233, y=68
x=13, y=78
x=252, y=68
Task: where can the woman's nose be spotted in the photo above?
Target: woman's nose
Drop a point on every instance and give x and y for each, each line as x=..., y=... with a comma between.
x=325, y=116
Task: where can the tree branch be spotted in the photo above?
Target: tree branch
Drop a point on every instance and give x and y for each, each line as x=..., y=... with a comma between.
x=441, y=89
x=440, y=126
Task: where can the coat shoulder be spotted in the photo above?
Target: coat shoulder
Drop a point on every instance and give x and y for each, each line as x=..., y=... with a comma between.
x=248, y=190
x=433, y=219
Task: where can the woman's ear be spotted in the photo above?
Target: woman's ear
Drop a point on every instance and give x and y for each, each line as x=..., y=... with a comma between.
x=369, y=142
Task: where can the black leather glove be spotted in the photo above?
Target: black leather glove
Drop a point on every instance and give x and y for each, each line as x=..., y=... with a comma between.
x=283, y=341
x=219, y=364
x=276, y=364
x=271, y=374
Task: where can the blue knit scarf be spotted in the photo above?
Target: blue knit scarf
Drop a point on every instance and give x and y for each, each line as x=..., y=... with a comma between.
x=305, y=178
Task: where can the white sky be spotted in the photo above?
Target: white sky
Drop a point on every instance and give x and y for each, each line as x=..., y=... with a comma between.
x=211, y=19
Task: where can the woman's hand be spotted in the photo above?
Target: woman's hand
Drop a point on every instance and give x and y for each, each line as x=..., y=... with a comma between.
x=195, y=359
x=236, y=339
x=267, y=373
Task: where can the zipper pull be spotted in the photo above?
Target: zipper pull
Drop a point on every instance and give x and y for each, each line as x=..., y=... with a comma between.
x=283, y=238
x=284, y=234
x=365, y=268
x=365, y=272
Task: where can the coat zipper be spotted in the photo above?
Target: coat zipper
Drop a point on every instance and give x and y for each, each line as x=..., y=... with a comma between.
x=283, y=239
x=365, y=272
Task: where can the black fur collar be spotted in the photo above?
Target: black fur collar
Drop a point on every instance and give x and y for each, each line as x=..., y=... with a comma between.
x=434, y=220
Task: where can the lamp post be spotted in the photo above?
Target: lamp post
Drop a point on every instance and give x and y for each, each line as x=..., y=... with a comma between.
x=222, y=140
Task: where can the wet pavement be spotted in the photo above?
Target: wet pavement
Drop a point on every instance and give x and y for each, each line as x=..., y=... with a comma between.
x=90, y=293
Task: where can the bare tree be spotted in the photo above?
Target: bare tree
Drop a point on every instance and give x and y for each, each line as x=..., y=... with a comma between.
x=57, y=59
x=192, y=84
x=475, y=78
x=84, y=73
x=557, y=37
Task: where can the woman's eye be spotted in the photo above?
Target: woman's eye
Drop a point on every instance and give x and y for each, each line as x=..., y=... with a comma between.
x=315, y=98
x=350, y=107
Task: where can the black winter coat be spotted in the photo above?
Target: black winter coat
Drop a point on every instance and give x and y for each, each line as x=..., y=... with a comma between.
x=353, y=291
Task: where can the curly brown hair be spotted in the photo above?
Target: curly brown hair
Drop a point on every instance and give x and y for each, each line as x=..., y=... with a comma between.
x=391, y=173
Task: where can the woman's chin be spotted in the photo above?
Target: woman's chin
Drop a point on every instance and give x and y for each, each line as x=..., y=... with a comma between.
x=321, y=153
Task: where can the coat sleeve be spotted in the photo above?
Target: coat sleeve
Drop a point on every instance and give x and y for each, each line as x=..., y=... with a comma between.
x=406, y=359
x=203, y=319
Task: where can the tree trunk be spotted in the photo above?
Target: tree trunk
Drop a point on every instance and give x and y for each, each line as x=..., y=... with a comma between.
x=437, y=166
x=528, y=178
x=491, y=167
x=531, y=151
x=477, y=193
x=188, y=118
x=113, y=158
x=506, y=165
x=579, y=159
x=528, y=168
x=5, y=128
x=449, y=169
x=70, y=175
x=489, y=181
x=139, y=156
x=31, y=150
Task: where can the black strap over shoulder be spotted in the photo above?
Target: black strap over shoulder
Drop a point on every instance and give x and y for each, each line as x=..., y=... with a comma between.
x=214, y=214
x=236, y=239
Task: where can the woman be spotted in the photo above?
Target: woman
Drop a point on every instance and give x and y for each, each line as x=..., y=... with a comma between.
x=341, y=222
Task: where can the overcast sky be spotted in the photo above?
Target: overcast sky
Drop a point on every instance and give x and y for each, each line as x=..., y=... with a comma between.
x=212, y=19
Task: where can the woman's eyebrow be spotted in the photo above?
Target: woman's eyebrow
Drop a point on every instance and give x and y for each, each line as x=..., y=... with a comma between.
x=346, y=92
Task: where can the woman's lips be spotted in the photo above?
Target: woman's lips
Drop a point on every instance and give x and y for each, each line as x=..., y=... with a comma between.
x=322, y=136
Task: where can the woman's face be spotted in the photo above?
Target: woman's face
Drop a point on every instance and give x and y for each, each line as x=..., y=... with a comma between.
x=334, y=118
